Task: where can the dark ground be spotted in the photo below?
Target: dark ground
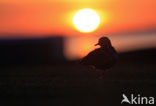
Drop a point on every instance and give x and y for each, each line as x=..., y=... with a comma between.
x=70, y=84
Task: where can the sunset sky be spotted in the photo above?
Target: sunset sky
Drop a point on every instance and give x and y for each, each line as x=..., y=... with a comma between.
x=55, y=16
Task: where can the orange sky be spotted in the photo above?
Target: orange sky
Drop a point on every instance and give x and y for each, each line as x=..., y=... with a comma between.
x=55, y=16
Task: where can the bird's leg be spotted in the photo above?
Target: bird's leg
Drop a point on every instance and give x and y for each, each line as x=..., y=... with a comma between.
x=91, y=68
x=100, y=73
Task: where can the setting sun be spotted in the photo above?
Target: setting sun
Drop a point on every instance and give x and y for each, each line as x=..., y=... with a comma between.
x=86, y=20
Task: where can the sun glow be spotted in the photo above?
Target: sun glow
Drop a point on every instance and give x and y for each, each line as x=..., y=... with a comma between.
x=86, y=20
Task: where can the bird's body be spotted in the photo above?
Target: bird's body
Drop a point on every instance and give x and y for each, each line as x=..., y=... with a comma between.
x=102, y=58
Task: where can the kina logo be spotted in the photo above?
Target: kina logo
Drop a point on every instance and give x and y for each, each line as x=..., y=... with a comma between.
x=137, y=99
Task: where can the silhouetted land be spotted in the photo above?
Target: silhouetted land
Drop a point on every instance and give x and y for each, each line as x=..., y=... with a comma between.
x=69, y=84
x=31, y=51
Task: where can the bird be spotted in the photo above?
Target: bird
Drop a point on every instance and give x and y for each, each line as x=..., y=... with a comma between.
x=102, y=58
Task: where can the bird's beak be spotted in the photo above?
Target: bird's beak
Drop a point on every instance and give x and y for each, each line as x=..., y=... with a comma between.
x=96, y=44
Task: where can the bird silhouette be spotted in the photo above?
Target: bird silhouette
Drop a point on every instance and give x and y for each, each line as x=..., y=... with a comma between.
x=102, y=58
x=125, y=99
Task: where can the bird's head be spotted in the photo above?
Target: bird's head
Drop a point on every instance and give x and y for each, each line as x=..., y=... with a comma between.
x=104, y=42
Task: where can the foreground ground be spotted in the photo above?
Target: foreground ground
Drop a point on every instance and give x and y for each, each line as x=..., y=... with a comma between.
x=70, y=84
